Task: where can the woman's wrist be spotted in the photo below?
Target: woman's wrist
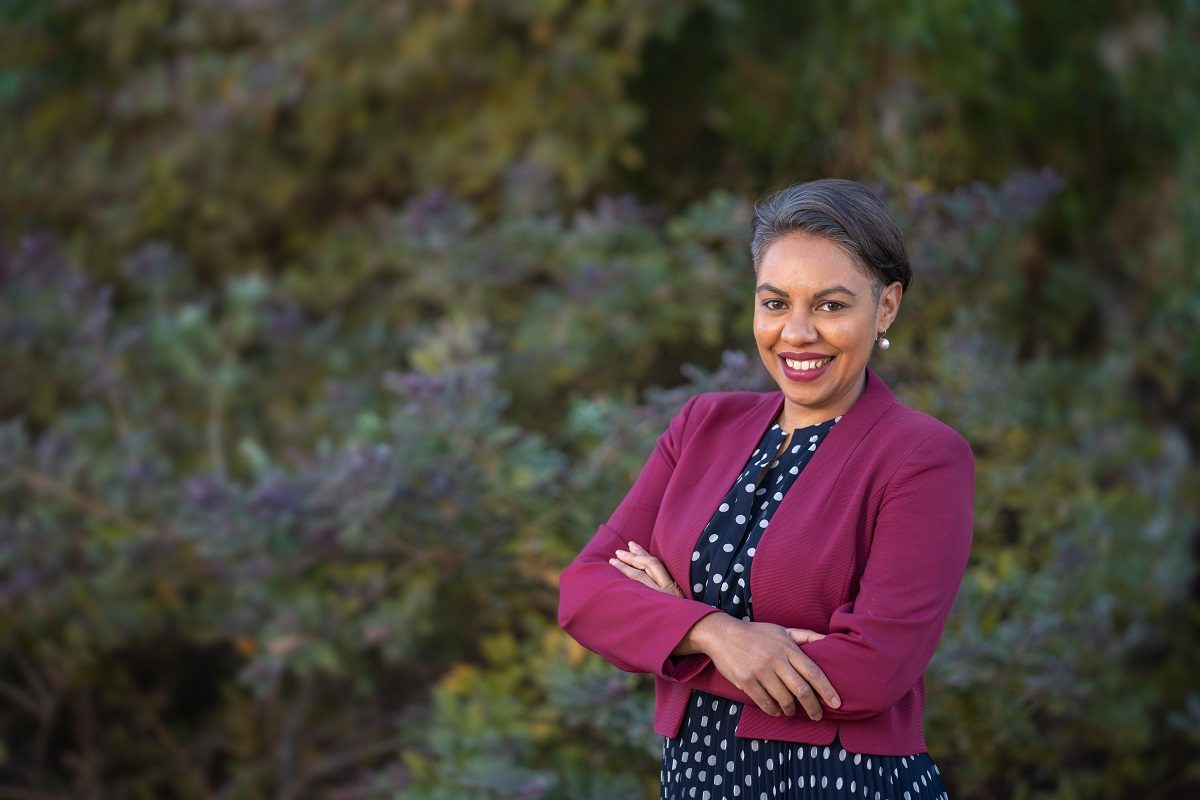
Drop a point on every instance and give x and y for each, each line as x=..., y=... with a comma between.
x=701, y=637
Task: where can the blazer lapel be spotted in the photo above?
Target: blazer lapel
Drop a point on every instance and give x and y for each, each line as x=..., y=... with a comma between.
x=789, y=525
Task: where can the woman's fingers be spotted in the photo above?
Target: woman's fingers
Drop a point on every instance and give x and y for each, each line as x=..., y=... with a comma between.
x=813, y=677
x=762, y=698
x=633, y=572
x=638, y=558
x=802, y=694
x=653, y=574
x=804, y=635
x=784, y=697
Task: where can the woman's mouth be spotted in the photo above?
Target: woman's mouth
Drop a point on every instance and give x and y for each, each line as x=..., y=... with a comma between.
x=804, y=369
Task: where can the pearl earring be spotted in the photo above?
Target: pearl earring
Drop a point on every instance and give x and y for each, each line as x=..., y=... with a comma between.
x=882, y=341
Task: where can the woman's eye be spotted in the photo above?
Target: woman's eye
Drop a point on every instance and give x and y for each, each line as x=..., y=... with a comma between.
x=832, y=305
x=773, y=305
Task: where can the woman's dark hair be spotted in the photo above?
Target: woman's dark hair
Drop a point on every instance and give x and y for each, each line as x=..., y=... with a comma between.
x=846, y=213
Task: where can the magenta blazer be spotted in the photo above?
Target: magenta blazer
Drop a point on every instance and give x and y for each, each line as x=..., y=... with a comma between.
x=868, y=547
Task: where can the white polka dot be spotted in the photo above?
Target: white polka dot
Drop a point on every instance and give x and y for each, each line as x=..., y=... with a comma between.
x=740, y=519
x=754, y=745
x=738, y=568
x=724, y=507
x=778, y=496
x=826, y=753
x=712, y=760
x=749, y=487
x=695, y=555
x=838, y=785
x=713, y=537
x=770, y=763
x=813, y=438
x=762, y=490
x=812, y=447
x=750, y=552
x=824, y=781
x=736, y=599
x=698, y=588
x=728, y=765
x=724, y=587
x=728, y=548
x=857, y=758
x=794, y=470
x=733, y=708
x=765, y=503
x=717, y=780
x=842, y=754
x=762, y=524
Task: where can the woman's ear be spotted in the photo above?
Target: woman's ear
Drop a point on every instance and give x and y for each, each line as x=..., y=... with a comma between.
x=889, y=304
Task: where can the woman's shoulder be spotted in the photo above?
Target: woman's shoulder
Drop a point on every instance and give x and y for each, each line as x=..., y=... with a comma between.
x=731, y=400
x=912, y=431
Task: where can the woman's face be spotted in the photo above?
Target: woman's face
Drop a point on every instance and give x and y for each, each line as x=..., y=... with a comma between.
x=815, y=322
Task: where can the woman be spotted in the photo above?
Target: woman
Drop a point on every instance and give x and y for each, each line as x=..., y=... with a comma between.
x=785, y=562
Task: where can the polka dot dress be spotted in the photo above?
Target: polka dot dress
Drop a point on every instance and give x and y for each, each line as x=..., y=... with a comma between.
x=706, y=761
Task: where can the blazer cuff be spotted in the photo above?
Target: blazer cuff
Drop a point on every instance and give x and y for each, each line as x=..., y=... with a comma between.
x=683, y=668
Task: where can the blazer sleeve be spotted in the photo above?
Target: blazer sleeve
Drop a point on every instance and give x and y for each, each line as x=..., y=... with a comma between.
x=880, y=643
x=630, y=624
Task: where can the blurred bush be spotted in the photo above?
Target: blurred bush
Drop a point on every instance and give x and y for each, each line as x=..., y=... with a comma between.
x=330, y=332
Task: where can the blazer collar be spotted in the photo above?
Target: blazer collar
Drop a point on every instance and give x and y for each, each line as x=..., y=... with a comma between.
x=870, y=405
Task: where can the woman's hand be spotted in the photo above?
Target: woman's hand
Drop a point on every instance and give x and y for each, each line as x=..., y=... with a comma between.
x=639, y=565
x=765, y=662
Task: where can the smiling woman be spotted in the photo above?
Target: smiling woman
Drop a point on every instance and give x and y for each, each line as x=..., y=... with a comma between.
x=785, y=562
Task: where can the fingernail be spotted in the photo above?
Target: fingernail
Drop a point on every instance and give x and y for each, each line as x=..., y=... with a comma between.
x=837, y=702
x=612, y=561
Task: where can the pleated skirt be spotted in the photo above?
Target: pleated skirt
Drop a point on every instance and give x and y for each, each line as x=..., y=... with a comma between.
x=706, y=761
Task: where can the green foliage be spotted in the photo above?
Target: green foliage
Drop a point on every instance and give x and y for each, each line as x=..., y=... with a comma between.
x=331, y=331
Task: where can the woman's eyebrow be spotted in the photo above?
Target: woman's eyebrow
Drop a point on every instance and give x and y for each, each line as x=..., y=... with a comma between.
x=835, y=289
x=769, y=287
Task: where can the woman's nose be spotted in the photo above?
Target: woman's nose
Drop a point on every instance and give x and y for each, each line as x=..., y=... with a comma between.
x=799, y=328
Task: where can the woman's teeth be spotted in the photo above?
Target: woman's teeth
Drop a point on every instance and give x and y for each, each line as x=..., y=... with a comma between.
x=805, y=365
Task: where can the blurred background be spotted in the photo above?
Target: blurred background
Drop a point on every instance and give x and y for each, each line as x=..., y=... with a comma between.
x=330, y=331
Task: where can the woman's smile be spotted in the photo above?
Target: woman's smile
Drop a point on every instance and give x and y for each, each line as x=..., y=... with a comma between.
x=804, y=366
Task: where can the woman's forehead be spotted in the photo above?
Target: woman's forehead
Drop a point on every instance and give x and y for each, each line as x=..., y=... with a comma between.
x=808, y=264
